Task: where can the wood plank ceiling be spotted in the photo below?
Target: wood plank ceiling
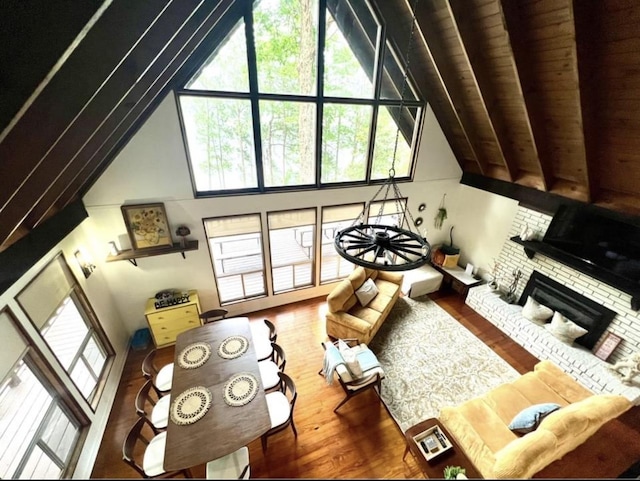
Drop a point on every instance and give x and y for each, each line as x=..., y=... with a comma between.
x=539, y=93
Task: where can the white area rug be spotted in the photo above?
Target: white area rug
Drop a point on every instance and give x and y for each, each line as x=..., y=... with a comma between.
x=431, y=361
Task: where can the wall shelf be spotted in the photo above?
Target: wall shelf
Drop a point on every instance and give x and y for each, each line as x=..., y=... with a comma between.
x=131, y=255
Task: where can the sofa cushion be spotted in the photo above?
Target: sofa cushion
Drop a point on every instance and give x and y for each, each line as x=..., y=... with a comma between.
x=536, y=312
x=387, y=288
x=366, y=292
x=565, y=329
x=366, y=314
x=357, y=277
x=380, y=303
x=530, y=417
x=339, y=296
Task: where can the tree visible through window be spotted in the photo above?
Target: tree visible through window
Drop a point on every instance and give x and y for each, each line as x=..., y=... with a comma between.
x=291, y=126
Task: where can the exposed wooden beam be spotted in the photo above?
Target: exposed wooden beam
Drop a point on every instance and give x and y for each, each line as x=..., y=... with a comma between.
x=124, y=119
x=523, y=67
x=25, y=166
x=449, y=83
x=470, y=46
x=398, y=15
x=586, y=21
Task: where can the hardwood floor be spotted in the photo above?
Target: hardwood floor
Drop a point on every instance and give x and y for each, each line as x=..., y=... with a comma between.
x=361, y=440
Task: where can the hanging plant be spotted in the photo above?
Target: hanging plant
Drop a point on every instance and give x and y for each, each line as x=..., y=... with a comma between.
x=441, y=215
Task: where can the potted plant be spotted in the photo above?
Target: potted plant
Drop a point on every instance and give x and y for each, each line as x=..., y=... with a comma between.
x=455, y=472
x=441, y=215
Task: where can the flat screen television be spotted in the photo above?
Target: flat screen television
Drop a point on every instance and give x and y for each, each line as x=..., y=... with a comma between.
x=608, y=246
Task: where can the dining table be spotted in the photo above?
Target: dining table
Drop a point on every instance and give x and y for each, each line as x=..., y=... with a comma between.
x=217, y=402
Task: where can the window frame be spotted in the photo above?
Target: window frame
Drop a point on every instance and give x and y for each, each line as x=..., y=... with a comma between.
x=44, y=371
x=255, y=96
x=311, y=250
x=263, y=256
x=89, y=317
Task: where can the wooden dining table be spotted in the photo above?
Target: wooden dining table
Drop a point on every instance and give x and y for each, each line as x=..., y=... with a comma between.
x=224, y=428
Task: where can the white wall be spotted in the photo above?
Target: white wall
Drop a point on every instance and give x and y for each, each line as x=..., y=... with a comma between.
x=153, y=168
x=104, y=305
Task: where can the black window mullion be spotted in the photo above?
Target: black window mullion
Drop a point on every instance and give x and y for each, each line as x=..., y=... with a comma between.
x=253, y=94
x=322, y=30
x=379, y=64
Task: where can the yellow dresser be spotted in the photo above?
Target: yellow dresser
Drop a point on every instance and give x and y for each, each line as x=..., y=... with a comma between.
x=166, y=323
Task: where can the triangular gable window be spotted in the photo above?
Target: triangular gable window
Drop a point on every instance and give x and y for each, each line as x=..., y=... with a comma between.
x=267, y=110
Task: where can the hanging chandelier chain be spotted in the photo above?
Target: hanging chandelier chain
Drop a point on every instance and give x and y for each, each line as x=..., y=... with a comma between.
x=380, y=245
x=392, y=170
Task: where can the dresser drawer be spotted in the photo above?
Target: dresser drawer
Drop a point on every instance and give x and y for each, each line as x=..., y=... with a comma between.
x=165, y=337
x=174, y=315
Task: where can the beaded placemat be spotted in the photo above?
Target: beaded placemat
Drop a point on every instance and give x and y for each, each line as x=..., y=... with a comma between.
x=190, y=405
x=233, y=346
x=240, y=389
x=194, y=355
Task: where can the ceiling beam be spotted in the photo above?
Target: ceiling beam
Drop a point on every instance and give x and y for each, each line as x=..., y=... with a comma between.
x=470, y=46
x=523, y=68
x=450, y=84
x=398, y=17
x=586, y=21
x=26, y=165
x=128, y=114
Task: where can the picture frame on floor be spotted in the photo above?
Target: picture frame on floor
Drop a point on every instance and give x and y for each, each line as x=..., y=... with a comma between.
x=606, y=347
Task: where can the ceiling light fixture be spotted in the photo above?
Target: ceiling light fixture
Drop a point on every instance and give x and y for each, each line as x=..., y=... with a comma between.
x=386, y=247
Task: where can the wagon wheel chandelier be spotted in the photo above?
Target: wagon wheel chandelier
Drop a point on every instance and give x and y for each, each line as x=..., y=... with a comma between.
x=379, y=246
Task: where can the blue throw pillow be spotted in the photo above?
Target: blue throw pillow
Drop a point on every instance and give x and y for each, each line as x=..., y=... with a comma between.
x=529, y=418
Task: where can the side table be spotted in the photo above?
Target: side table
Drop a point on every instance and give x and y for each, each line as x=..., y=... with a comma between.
x=458, y=279
x=434, y=468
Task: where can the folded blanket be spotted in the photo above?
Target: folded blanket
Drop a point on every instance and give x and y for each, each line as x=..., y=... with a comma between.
x=367, y=360
x=332, y=358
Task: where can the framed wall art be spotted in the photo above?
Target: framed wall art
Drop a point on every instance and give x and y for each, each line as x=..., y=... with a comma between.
x=147, y=226
x=609, y=342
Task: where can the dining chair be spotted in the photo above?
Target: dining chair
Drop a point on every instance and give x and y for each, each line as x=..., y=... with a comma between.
x=155, y=408
x=265, y=329
x=269, y=368
x=162, y=378
x=213, y=315
x=232, y=466
x=280, y=404
x=143, y=450
x=264, y=334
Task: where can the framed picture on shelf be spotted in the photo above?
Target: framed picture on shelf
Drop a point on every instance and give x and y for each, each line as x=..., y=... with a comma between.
x=147, y=226
x=609, y=343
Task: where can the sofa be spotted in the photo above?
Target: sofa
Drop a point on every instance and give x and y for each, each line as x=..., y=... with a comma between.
x=347, y=318
x=480, y=425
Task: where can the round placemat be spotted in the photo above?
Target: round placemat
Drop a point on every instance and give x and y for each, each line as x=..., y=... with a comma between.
x=233, y=346
x=190, y=405
x=240, y=389
x=194, y=355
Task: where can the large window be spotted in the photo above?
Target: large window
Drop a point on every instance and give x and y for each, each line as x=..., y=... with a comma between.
x=40, y=429
x=292, y=243
x=58, y=308
x=335, y=218
x=258, y=115
x=235, y=243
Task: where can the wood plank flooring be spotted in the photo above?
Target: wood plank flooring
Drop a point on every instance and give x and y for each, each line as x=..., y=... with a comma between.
x=361, y=440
